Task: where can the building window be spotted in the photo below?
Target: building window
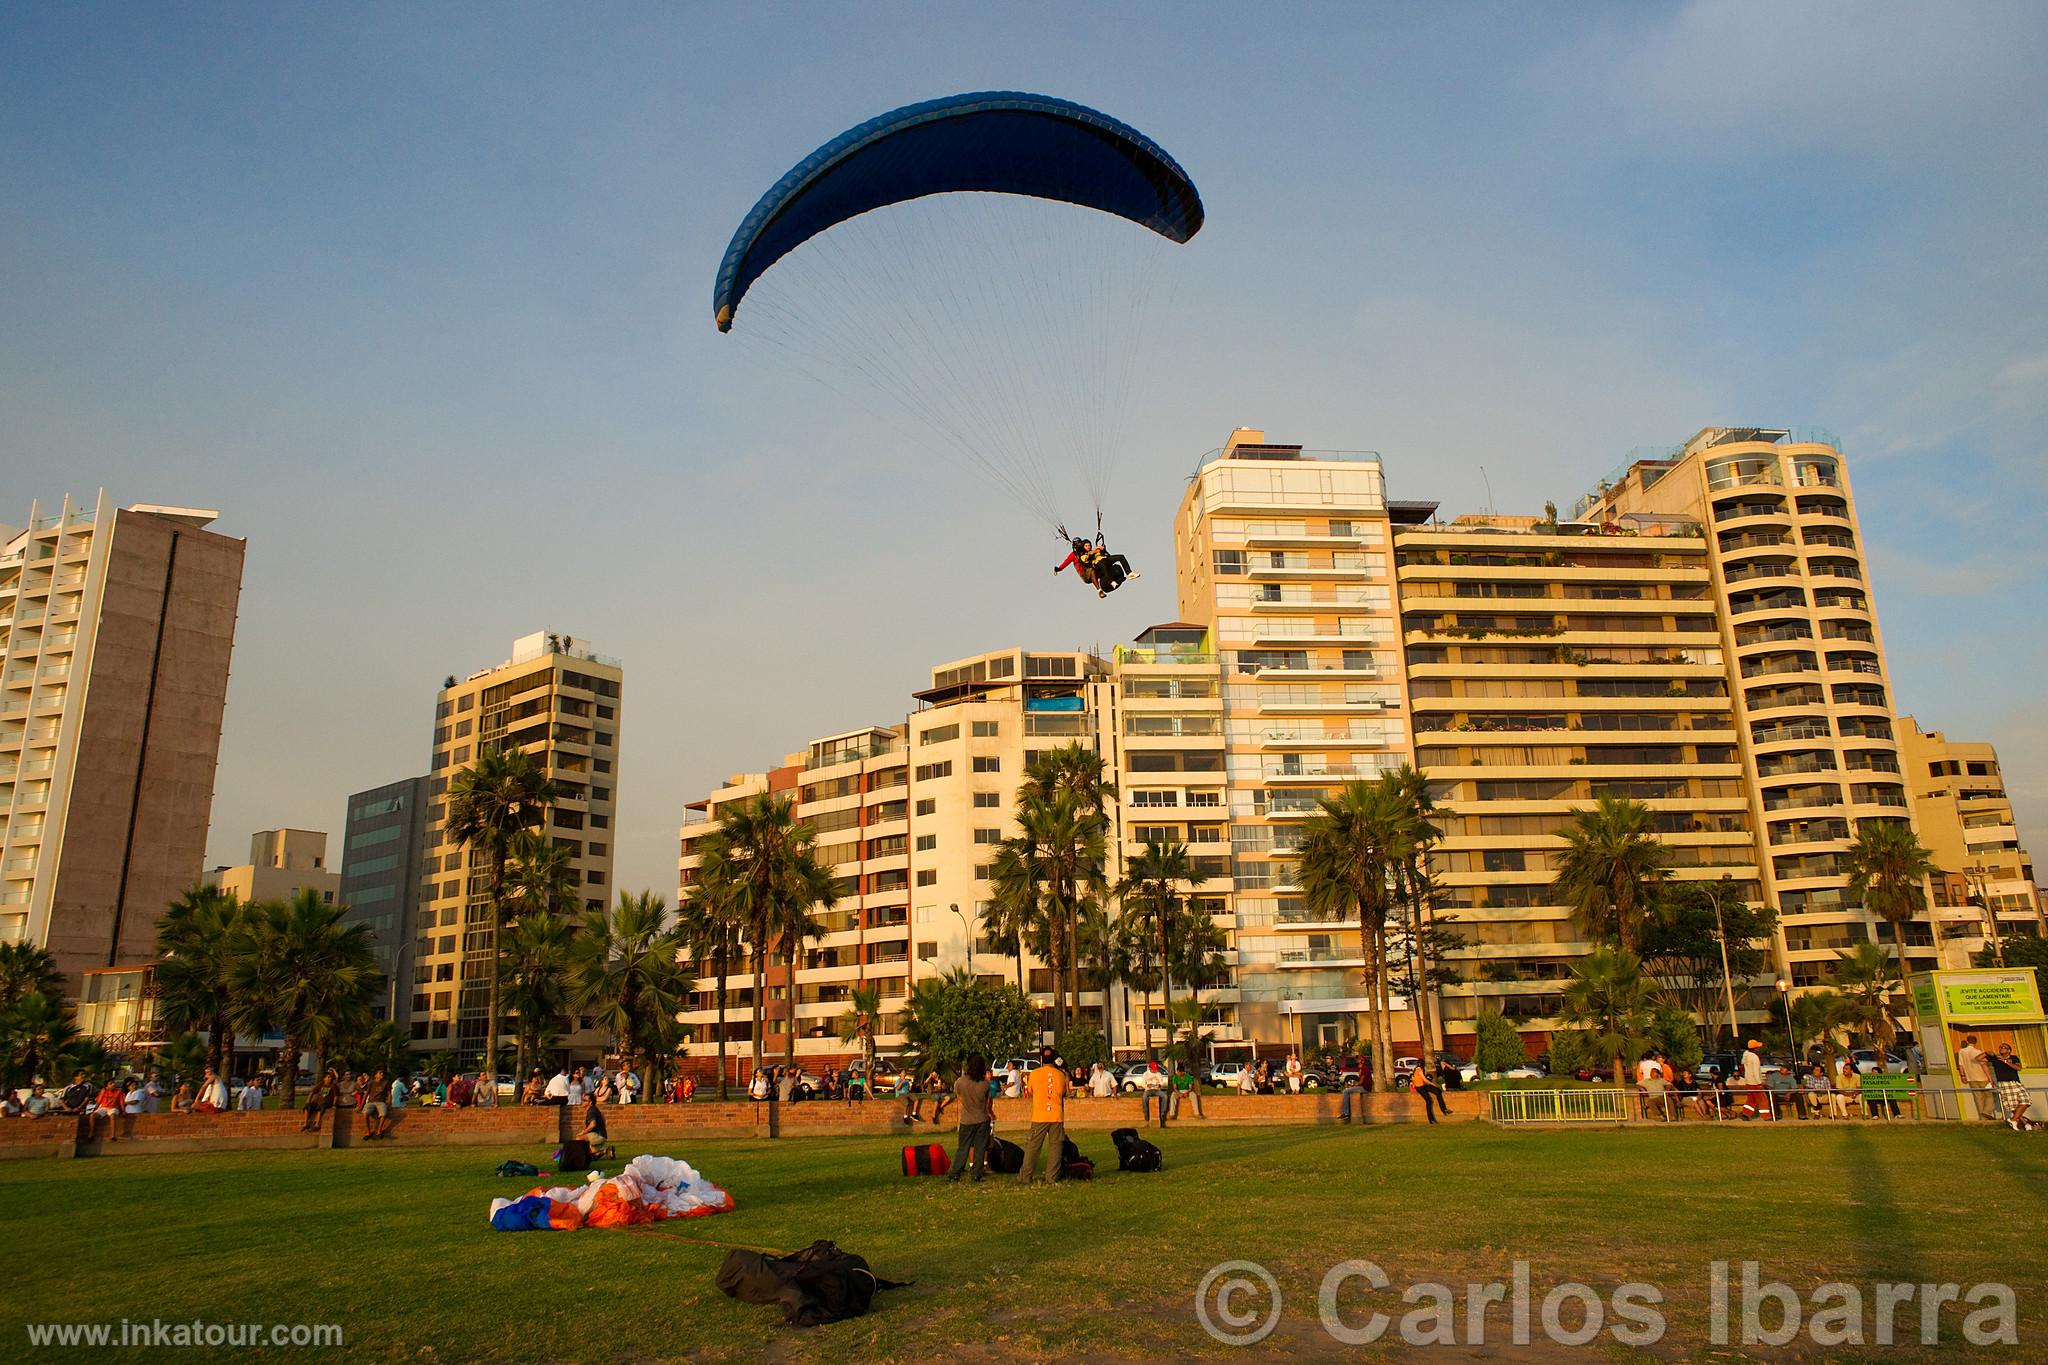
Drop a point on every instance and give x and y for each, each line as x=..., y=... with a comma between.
x=1229, y=563
x=981, y=873
x=927, y=876
x=987, y=800
x=988, y=836
x=927, y=951
x=928, y=772
x=938, y=734
x=928, y=806
x=986, y=729
x=927, y=842
x=987, y=763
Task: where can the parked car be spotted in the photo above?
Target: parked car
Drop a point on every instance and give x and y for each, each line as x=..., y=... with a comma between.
x=888, y=1071
x=1224, y=1074
x=1130, y=1077
x=1527, y=1071
x=1866, y=1061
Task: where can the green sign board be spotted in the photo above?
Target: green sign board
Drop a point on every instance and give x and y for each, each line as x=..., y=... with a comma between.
x=2005, y=995
x=1924, y=998
x=1887, y=1083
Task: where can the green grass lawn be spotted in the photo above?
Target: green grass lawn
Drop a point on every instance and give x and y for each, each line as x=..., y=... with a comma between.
x=393, y=1245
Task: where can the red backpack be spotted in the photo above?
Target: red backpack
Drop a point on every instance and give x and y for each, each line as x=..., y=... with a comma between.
x=927, y=1158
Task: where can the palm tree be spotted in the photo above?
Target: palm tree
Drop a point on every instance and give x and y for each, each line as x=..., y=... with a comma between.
x=1821, y=1016
x=861, y=1021
x=1014, y=900
x=28, y=970
x=1066, y=844
x=34, y=1032
x=711, y=936
x=1611, y=869
x=197, y=937
x=1104, y=952
x=501, y=795
x=764, y=865
x=1865, y=977
x=1612, y=998
x=1417, y=889
x=627, y=971
x=535, y=966
x=1888, y=871
x=1139, y=954
x=1151, y=896
x=299, y=969
x=540, y=875
x=1348, y=851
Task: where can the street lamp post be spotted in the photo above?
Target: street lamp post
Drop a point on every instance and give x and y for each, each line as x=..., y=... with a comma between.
x=966, y=927
x=1785, y=995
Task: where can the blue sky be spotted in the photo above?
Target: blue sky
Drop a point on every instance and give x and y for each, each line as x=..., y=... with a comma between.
x=417, y=296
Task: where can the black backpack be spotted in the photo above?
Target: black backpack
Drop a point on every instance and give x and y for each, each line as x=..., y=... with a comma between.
x=1133, y=1153
x=819, y=1284
x=1074, y=1166
x=1004, y=1157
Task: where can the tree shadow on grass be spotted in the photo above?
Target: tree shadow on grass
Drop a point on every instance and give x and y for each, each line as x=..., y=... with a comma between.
x=1875, y=1218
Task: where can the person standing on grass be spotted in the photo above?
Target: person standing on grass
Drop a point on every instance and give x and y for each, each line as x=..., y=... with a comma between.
x=1430, y=1093
x=1975, y=1065
x=977, y=1117
x=1294, y=1073
x=1047, y=1085
x=579, y=1086
x=2012, y=1088
x=251, y=1098
x=1247, y=1081
x=1750, y=1076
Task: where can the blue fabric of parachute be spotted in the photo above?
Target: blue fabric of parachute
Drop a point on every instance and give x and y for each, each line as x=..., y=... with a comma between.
x=998, y=141
x=528, y=1213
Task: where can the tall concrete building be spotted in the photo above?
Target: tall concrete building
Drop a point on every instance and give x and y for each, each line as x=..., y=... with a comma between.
x=908, y=816
x=1283, y=556
x=1550, y=665
x=282, y=863
x=1987, y=889
x=383, y=847
x=558, y=701
x=116, y=627
x=1815, y=725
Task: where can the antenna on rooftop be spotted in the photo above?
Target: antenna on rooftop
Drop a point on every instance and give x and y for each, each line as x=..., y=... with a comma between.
x=1489, y=490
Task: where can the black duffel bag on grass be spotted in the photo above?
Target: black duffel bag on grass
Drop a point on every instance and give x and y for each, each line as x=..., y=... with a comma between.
x=819, y=1284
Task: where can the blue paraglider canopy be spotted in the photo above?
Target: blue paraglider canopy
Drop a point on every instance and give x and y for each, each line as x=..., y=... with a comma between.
x=1001, y=142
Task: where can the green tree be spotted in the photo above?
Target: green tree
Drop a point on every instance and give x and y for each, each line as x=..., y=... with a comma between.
x=1015, y=903
x=540, y=875
x=1084, y=1046
x=626, y=971
x=381, y=1048
x=1677, y=1034
x=1348, y=854
x=534, y=966
x=1612, y=869
x=27, y=970
x=762, y=865
x=1104, y=945
x=1681, y=945
x=198, y=937
x=35, y=1032
x=948, y=1017
x=1823, y=1017
x=860, y=1022
x=1888, y=871
x=1866, y=979
x=490, y=803
x=1061, y=814
x=1497, y=1045
x=187, y=1055
x=1612, y=1002
x=1419, y=940
x=1150, y=892
x=297, y=968
x=712, y=935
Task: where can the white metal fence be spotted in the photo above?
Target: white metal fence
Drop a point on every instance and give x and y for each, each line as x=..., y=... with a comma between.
x=1897, y=1101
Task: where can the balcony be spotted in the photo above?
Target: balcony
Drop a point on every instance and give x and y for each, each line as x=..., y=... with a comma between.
x=1311, y=738
x=1750, y=571
x=1325, y=773
x=1054, y=724
x=1738, y=511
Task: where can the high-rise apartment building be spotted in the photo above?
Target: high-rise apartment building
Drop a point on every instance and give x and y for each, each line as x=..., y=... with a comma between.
x=557, y=701
x=1987, y=889
x=116, y=627
x=282, y=863
x=1283, y=555
x=383, y=844
x=1548, y=666
x=1813, y=704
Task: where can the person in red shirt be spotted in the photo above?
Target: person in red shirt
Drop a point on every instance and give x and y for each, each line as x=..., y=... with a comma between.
x=106, y=1109
x=1046, y=1087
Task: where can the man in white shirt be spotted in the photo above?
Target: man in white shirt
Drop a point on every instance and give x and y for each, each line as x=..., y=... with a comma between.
x=1101, y=1084
x=558, y=1087
x=1976, y=1069
x=1750, y=1075
x=251, y=1097
x=1647, y=1069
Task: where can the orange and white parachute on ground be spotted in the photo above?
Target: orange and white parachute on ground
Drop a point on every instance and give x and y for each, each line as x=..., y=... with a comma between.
x=652, y=1189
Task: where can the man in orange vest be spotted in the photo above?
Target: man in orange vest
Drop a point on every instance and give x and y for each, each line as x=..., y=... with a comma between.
x=1046, y=1087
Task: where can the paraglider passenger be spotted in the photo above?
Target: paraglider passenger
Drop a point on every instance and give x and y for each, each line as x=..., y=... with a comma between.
x=1082, y=558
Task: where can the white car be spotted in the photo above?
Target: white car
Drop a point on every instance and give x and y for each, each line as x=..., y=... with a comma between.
x=1865, y=1059
x=1527, y=1071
